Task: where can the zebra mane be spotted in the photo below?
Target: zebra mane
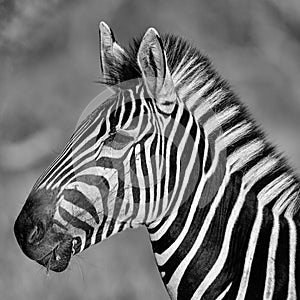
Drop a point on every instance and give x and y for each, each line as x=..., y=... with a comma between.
x=194, y=77
x=179, y=53
x=190, y=70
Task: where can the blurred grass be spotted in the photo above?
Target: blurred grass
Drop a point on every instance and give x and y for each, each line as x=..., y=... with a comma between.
x=48, y=65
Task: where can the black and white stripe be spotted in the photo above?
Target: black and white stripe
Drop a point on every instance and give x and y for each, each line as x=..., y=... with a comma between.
x=221, y=206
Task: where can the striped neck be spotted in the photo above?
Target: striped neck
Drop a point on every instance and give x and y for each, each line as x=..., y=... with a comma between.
x=205, y=247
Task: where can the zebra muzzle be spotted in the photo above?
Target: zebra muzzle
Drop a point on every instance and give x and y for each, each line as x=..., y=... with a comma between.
x=58, y=258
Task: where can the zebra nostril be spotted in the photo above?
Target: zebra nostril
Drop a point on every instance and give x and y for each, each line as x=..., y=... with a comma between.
x=36, y=234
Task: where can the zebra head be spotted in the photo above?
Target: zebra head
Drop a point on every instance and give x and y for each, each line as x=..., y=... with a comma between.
x=120, y=161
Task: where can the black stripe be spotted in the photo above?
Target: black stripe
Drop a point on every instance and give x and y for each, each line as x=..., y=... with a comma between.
x=134, y=184
x=145, y=174
x=113, y=121
x=102, y=131
x=195, y=177
x=58, y=168
x=62, y=163
x=264, y=152
x=79, y=199
x=59, y=224
x=233, y=268
x=234, y=120
x=268, y=178
x=256, y=284
x=118, y=202
x=242, y=141
x=211, y=148
x=211, y=246
x=282, y=262
x=101, y=183
x=127, y=110
x=175, y=228
x=99, y=236
x=136, y=115
x=75, y=222
x=67, y=178
x=217, y=85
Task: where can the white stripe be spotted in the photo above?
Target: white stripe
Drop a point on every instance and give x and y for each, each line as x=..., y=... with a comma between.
x=155, y=236
x=75, y=232
x=128, y=196
x=277, y=210
x=249, y=180
x=250, y=252
x=74, y=160
x=73, y=170
x=262, y=201
x=47, y=173
x=109, y=174
x=191, y=85
x=159, y=174
x=94, y=196
x=292, y=294
x=133, y=107
x=196, y=97
x=221, y=296
x=150, y=178
x=279, y=184
x=221, y=117
x=235, y=133
x=138, y=220
x=259, y=170
x=165, y=256
x=61, y=158
x=177, y=275
x=218, y=159
x=121, y=101
x=161, y=259
x=75, y=211
x=181, y=70
x=270, y=275
x=242, y=155
x=160, y=171
x=209, y=102
x=218, y=266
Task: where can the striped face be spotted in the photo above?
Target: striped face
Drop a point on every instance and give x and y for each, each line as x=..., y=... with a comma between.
x=102, y=178
x=114, y=173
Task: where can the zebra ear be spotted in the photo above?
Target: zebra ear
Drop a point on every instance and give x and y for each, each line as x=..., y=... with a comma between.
x=152, y=61
x=111, y=53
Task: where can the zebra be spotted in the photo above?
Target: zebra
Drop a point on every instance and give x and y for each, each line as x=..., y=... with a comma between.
x=172, y=149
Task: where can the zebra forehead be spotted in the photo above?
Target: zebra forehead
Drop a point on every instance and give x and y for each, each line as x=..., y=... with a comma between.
x=110, y=102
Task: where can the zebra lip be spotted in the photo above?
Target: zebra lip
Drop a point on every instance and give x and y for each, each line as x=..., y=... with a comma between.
x=57, y=260
x=46, y=260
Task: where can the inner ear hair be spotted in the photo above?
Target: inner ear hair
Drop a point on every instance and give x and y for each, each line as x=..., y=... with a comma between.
x=152, y=61
x=111, y=53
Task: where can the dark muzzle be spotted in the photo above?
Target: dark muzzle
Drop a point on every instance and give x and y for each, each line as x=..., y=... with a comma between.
x=39, y=238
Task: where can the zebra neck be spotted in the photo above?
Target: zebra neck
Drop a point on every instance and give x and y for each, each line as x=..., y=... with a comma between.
x=182, y=242
x=206, y=250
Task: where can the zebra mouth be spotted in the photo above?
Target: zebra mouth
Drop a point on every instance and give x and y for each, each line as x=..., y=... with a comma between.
x=57, y=260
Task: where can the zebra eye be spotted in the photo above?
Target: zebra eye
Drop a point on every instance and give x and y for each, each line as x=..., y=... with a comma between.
x=118, y=140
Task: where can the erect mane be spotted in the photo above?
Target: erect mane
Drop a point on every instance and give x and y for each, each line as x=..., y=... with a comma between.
x=190, y=70
x=200, y=87
x=180, y=53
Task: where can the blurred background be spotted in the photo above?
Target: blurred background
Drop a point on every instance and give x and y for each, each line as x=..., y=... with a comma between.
x=48, y=68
